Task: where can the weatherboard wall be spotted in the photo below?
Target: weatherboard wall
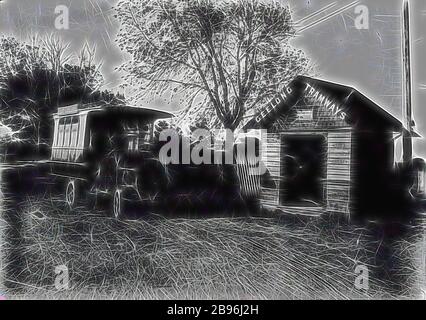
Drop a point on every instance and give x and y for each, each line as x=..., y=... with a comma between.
x=311, y=117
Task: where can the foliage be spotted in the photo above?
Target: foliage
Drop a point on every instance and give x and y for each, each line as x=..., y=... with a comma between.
x=223, y=58
x=38, y=75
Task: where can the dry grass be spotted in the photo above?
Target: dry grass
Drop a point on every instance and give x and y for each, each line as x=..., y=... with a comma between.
x=222, y=258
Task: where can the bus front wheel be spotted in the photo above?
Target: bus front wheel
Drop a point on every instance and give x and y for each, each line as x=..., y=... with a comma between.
x=118, y=204
x=71, y=193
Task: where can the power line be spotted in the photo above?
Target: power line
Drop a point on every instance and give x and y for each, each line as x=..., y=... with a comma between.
x=329, y=16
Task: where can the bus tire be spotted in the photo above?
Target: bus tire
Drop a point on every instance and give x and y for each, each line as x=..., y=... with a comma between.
x=71, y=193
x=119, y=204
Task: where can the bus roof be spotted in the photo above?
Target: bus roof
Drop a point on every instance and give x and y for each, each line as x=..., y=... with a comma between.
x=76, y=109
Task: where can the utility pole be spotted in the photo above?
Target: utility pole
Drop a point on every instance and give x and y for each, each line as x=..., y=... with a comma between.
x=407, y=87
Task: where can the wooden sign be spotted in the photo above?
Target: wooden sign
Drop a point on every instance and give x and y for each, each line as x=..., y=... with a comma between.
x=326, y=102
x=68, y=110
x=305, y=115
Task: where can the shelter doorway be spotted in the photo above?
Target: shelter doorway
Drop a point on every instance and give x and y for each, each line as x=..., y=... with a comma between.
x=303, y=170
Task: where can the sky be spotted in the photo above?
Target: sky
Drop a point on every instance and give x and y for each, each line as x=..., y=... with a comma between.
x=369, y=60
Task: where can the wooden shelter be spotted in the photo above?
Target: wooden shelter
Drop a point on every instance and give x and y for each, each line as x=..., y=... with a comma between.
x=329, y=148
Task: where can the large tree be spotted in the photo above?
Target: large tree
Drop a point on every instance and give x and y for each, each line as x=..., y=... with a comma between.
x=219, y=56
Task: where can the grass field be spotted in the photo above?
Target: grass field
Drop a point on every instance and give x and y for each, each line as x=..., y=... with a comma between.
x=223, y=258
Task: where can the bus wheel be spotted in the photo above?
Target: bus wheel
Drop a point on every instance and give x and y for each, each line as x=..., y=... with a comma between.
x=118, y=204
x=71, y=193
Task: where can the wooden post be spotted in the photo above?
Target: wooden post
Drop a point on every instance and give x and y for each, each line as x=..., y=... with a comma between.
x=407, y=89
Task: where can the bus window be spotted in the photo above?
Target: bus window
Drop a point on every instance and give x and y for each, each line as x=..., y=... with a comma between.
x=55, y=134
x=138, y=137
x=61, y=131
x=146, y=133
x=60, y=139
x=133, y=141
x=74, y=138
x=67, y=136
x=74, y=132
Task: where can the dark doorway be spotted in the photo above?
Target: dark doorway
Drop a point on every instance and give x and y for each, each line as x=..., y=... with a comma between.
x=303, y=167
